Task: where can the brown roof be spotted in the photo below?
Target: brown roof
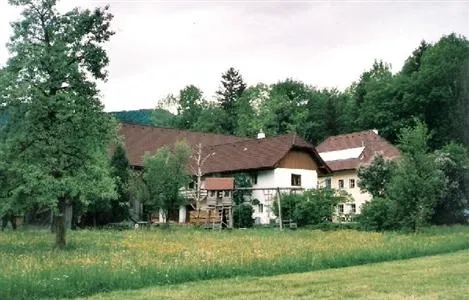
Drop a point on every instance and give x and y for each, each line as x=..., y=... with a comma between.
x=219, y=184
x=139, y=139
x=229, y=153
x=255, y=154
x=374, y=145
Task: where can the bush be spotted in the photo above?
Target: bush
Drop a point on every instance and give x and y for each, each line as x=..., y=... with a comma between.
x=242, y=215
x=376, y=215
x=311, y=207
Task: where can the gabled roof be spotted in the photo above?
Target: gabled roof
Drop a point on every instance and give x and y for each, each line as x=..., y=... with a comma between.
x=228, y=153
x=257, y=154
x=139, y=139
x=371, y=142
x=219, y=184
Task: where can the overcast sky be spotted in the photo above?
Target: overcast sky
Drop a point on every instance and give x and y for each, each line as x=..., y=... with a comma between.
x=161, y=46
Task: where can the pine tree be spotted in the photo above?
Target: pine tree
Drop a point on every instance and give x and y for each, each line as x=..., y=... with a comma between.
x=232, y=88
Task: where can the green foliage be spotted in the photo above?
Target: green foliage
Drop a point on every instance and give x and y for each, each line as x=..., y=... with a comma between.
x=56, y=137
x=413, y=62
x=377, y=215
x=248, y=110
x=211, y=119
x=433, y=86
x=310, y=207
x=452, y=160
x=156, y=117
x=242, y=180
x=164, y=175
x=416, y=183
x=121, y=173
x=242, y=215
x=231, y=90
x=375, y=177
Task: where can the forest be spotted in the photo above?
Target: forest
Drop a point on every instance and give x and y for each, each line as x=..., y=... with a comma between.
x=432, y=86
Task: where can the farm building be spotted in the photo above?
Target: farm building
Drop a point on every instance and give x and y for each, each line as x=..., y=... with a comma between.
x=285, y=161
x=345, y=154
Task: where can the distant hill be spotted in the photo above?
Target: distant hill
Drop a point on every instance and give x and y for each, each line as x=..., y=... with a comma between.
x=144, y=117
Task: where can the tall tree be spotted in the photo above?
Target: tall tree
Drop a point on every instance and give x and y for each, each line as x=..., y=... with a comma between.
x=281, y=112
x=416, y=183
x=413, y=62
x=165, y=174
x=248, y=109
x=232, y=88
x=189, y=107
x=440, y=88
x=56, y=135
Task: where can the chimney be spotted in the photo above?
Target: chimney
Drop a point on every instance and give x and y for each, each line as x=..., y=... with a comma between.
x=260, y=135
x=375, y=131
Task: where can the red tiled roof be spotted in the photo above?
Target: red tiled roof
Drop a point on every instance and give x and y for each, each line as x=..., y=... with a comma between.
x=374, y=145
x=139, y=139
x=219, y=184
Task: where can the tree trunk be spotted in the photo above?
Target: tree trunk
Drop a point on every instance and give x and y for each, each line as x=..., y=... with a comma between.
x=60, y=229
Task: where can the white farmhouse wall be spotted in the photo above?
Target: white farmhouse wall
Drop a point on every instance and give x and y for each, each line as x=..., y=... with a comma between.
x=279, y=177
x=359, y=198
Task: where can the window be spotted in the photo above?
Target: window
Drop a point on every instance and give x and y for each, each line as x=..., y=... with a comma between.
x=253, y=178
x=191, y=185
x=341, y=183
x=295, y=180
x=261, y=207
x=353, y=208
x=219, y=194
x=227, y=193
x=351, y=183
x=212, y=193
x=341, y=208
x=328, y=183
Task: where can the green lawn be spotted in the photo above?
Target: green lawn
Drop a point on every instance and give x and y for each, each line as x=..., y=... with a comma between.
x=102, y=261
x=434, y=277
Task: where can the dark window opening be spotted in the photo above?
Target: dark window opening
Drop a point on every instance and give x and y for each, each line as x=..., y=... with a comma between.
x=341, y=183
x=341, y=208
x=295, y=180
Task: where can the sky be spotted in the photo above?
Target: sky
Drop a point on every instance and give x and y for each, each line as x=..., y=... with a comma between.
x=162, y=46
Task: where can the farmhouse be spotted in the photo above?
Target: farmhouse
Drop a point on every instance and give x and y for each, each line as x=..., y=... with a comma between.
x=285, y=161
x=344, y=154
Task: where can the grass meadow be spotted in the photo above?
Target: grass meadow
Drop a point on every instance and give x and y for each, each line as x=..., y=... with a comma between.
x=444, y=276
x=100, y=260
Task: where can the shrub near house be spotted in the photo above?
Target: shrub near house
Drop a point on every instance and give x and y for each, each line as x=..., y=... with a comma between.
x=311, y=207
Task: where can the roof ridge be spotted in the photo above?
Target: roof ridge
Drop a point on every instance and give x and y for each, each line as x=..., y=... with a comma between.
x=256, y=139
x=350, y=133
x=181, y=130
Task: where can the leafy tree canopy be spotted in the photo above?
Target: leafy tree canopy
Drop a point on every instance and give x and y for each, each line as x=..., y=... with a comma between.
x=56, y=137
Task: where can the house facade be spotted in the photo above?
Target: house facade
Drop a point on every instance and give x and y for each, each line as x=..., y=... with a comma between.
x=345, y=154
x=283, y=162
